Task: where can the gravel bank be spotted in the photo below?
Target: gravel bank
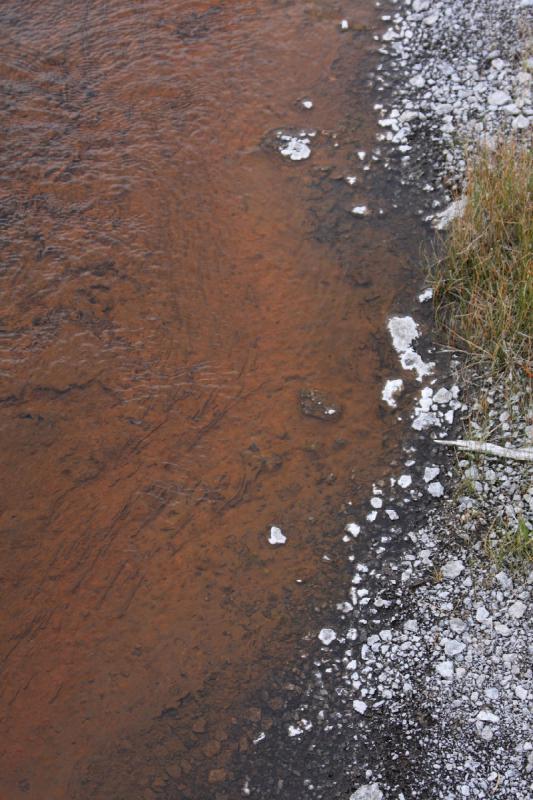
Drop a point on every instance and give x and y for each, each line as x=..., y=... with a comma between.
x=434, y=651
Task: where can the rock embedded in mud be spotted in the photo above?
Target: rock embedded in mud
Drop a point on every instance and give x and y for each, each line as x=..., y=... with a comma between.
x=314, y=403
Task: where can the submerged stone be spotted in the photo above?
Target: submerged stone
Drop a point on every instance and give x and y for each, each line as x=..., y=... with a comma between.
x=314, y=403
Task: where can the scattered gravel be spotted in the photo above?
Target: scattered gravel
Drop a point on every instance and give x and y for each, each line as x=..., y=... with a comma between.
x=454, y=72
x=439, y=670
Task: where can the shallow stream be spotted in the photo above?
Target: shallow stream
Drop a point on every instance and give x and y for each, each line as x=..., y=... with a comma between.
x=174, y=290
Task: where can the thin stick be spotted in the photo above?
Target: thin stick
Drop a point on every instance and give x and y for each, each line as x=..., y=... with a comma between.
x=487, y=449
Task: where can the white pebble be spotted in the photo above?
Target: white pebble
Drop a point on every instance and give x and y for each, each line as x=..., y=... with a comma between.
x=327, y=636
x=276, y=536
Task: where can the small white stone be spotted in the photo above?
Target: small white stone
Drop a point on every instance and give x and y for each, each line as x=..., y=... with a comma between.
x=517, y=610
x=482, y=615
x=353, y=529
x=487, y=716
x=369, y=791
x=360, y=706
x=443, y=396
x=445, y=669
x=430, y=473
x=452, y=647
x=327, y=636
x=376, y=502
x=436, y=489
x=503, y=630
x=418, y=81
x=360, y=211
x=499, y=98
x=392, y=514
x=426, y=295
x=404, y=481
x=294, y=148
x=344, y=25
x=390, y=390
x=452, y=569
x=276, y=536
x=520, y=692
x=520, y=122
x=457, y=625
x=307, y=104
x=491, y=693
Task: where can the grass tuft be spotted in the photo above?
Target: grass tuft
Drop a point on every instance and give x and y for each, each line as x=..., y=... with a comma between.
x=512, y=549
x=483, y=281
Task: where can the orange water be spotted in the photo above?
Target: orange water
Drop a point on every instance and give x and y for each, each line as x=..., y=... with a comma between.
x=169, y=284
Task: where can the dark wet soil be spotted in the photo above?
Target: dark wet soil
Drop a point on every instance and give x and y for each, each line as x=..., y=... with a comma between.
x=170, y=286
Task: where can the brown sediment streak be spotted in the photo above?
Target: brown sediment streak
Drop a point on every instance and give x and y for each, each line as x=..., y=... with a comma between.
x=169, y=284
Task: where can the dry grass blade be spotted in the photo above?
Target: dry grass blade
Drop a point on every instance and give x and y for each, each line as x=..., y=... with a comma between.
x=484, y=279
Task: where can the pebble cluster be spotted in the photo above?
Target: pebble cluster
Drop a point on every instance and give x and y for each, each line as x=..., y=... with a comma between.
x=454, y=72
x=432, y=651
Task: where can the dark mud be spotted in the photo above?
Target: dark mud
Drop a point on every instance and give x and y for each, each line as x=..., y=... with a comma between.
x=169, y=286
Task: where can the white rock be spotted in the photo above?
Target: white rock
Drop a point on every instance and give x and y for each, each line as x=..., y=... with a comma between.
x=430, y=473
x=360, y=706
x=294, y=148
x=404, y=481
x=307, y=104
x=445, y=669
x=491, y=693
x=452, y=569
x=517, y=610
x=521, y=122
x=353, y=529
x=503, y=630
x=369, y=791
x=404, y=331
x=436, y=489
x=420, y=5
x=499, y=98
x=344, y=25
x=327, y=636
x=454, y=211
x=457, y=625
x=360, y=211
x=443, y=396
x=426, y=295
x=391, y=389
x=452, y=647
x=418, y=81
x=276, y=536
x=482, y=615
x=392, y=514
x=487, y=716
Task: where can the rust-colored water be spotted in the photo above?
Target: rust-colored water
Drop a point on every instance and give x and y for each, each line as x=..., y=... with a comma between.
x=167, y=290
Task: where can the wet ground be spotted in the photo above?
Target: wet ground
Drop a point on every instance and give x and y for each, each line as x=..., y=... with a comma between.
x=174, y=291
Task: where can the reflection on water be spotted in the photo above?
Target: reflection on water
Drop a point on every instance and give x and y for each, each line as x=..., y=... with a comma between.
x=170, y=286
